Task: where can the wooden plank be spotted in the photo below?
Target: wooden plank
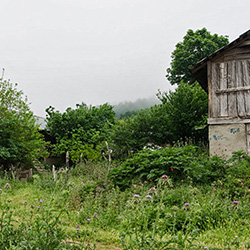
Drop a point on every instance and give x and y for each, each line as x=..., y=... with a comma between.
x=219, y=91
x=238, y=53
x=246, y=82
x=209, y=86
x=236, y=120
x=241, y=109
x=215, y=86
x=248, y=138
x=245, y=56
x=246, y=77
x=223, y=85
x=232, y=101
x=246, y=43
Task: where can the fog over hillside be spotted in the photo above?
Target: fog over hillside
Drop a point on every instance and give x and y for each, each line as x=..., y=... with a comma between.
x=138, y=104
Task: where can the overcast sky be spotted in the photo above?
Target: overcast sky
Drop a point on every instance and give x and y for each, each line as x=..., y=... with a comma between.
x=64, y=52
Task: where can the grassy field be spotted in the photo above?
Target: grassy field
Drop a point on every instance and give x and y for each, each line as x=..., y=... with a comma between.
x=86, y=211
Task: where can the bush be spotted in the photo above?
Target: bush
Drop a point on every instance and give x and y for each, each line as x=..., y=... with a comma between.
x=184, y=164
x=237, y=180
x=149, y=165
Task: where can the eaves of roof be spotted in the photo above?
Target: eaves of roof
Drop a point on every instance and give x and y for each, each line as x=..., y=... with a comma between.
x=200, y=69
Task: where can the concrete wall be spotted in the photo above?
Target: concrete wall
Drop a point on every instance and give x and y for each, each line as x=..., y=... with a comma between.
x=225, y=139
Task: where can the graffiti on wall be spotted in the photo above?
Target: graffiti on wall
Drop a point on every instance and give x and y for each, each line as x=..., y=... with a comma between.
x=234, y=130
x=221, y=137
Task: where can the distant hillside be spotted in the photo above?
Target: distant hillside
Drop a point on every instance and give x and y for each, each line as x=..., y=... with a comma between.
x=143, y=103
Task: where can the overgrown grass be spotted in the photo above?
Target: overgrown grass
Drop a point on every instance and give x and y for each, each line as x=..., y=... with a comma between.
x=206, y=208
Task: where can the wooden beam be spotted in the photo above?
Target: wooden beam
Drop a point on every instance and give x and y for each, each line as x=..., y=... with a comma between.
x=246, y=43
x=214, y=121
x=220, y=91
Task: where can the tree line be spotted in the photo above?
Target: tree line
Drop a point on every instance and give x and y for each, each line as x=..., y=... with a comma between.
x=181, y=115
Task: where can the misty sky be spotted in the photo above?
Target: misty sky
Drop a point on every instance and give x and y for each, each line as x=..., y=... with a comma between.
x=64, y=52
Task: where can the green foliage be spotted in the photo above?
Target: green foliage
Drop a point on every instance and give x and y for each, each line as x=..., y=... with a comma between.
x=148, y=128
x=183, y=113
x=150, y=165
x=188, y=163
x=20, y=141
x=38, y=229
x=46, y=181
x=194, y=47
x=128, y=114
x=80, y=131
x=155, y=221
x=186, y=110
x=206, y=169
x=159, y=126
x=237, y=174
x=169, y=213
x=182, y=116
x=132, y=134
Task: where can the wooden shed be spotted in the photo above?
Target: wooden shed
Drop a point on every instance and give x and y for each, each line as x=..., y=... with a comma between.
x=225, y=75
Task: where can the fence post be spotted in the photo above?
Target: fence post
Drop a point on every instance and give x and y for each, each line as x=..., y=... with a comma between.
x=54, y=172
x=109, y=155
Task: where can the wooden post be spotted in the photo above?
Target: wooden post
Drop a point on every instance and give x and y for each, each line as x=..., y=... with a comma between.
x=81, y=158
x=30, y=173
x=67, y=160
x=54, y=172
x=67, y=165
x=109, y=155
x=12, y=169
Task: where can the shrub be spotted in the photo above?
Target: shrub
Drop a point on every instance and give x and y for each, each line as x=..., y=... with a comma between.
x=149, y=165
x=237, y=174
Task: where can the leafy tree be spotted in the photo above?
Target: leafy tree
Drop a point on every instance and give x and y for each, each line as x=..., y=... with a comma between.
x=128, y=114
x=122, y=138
x=148, y=128
x=80, y=131
x=132, y=134
x=186, y=111
x=182, y=116
x=194, y=47
x=160, y=132
x=20, y=140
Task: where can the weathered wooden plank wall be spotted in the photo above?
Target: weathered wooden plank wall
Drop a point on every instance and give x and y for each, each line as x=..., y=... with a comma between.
x=230, y=90
x=246, y=80
x=240, y=95
x=215, y=86
x=232, y=107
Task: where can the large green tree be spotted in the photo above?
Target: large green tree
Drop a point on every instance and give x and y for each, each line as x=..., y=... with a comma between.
x=194, y=47
x=20, y=140
x=132, y=134
x=149, y=127
x=182, y=116
x=186, y=112
x=80, y=131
